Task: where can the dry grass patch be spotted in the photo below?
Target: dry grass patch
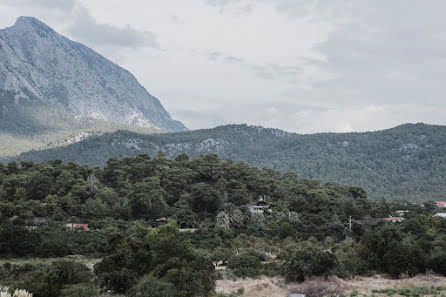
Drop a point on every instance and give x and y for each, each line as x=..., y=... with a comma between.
x=268, y=287
x=321, y=287
x=376, y=286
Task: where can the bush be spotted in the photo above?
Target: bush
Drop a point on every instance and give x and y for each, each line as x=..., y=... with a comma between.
x=51, y=279
x=150, y=286
x=246, y=264
x=309, y=261
x=80, y=290
x=438, y=263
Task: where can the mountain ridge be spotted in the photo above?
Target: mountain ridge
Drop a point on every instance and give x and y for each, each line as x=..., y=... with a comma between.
x=404, y=162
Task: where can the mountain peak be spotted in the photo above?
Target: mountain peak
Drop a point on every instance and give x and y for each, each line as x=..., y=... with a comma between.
x=36, y=60
x=27, y=22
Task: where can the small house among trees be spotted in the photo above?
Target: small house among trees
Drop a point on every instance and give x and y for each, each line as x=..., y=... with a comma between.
x=394, y=219
x=73, y=226
x=258, y=206
x=159, y=222
x=401, y=213
x=441, y=204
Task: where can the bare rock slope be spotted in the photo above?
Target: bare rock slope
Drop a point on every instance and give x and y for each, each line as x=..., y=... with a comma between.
x=36, y=62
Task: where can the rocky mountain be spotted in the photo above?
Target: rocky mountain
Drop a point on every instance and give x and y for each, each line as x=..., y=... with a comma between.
x=36, y=60
x=407, y=162
x=51, y=87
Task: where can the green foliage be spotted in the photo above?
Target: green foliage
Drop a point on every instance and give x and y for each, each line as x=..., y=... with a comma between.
x=128, y=259
x=52, y=279
x=403, y=163
x=246, y=264
x=30, y=124
x=165, y=254
x=80, y=290
x=150, y=286
x=305, y=231
x=306, y=261
x=238, y=293
x=390, y=250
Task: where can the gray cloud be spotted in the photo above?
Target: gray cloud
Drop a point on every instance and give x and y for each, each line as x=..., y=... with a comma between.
x=220, y=2
x=378, y=53
x=85, y=28
x=271, y=71
x=64, y=5
x=386, y=52
x=231, y=60
x=299, y=65
x=239, y=7
x=214, y=56
x=200, y=118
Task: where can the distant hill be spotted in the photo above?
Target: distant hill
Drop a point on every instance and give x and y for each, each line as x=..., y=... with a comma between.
x=51, y=87
x=406, y=162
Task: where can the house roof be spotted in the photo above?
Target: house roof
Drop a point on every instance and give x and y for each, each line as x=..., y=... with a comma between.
x=441, y=203
x=393, y=219
x=258, y=203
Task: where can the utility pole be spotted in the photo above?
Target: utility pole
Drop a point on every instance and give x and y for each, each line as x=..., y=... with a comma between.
x=350, y=223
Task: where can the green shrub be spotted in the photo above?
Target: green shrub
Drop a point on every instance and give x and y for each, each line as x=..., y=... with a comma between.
x=309, y=261
x=80, y=290
x=150, y=286
x=246, y=264
x=51, y=279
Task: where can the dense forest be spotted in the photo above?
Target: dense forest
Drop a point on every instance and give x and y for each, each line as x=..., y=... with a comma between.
x=161, y=226
x=406, y=163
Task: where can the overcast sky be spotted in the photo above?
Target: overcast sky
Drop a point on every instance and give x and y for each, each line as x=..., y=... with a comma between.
x=298, y=65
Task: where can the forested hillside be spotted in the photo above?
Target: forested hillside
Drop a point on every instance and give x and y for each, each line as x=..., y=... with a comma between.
x=27, y=123
x=134, y=208
x=407, y=162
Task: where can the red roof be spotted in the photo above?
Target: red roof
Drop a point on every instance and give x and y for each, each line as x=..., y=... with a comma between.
x=393, y=219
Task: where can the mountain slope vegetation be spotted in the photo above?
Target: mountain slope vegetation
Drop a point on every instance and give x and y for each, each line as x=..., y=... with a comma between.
x=54, y=91
x=27, y=123
x=407, y=162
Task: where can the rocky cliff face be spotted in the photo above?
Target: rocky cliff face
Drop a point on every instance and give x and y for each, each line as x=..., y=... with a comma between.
x=37, y=62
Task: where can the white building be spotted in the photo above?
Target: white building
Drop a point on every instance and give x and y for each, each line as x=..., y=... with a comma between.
x=258, y=207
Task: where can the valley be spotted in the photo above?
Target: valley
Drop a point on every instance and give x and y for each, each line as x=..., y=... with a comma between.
x=104, y=194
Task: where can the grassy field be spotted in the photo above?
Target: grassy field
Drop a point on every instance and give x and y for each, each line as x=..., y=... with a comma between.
x=377, y=286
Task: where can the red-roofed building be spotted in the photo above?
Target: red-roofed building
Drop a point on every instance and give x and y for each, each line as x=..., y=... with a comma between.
x=394, y=219
x=441, y=204
x=159, y=222
x=77, y=226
